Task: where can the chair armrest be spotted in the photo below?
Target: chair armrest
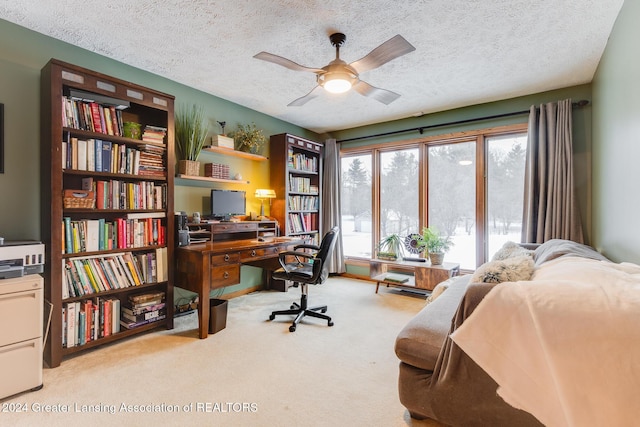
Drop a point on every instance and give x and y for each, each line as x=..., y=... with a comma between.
x=306, y=246
x=282, y=257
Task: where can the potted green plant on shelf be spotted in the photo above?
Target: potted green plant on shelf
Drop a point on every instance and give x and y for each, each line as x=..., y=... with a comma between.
x=435, y=244
x=249, y=138
x=390, y=247
x=190, y=136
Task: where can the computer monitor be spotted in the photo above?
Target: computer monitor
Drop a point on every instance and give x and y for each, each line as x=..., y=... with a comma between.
x=227, y=203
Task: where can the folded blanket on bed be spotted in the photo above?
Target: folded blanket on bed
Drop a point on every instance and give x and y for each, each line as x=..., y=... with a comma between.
x=564, y=346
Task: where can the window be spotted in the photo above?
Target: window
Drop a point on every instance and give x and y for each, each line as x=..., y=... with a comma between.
x=505, y=189
x=452, y=198
x=468, y=185
x=399, y=192
x=355, y=193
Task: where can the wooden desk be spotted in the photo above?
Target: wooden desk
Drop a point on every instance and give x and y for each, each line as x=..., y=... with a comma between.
x=422, y=275
x=203, y=267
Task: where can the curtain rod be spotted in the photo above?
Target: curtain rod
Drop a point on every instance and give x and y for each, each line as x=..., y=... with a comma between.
x=421, y=129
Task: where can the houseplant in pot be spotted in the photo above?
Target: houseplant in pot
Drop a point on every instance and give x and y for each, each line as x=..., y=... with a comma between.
x=435, y=244
x=190, y=135
x=390, y=247
x=249, y=138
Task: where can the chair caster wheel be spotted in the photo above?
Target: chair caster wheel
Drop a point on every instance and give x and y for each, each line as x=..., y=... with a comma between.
x=271, y=317
x=292, y=307
x=324, y=310
x=292, y=328
x=330, y=323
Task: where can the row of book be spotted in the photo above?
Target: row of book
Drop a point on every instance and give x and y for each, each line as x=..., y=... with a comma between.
x=96, y=155
x=300, y=184
x=302, y=222
x=95, y=318
x=100, y=273
x=90, y=235
x=91, y=116
x=302, y=162
x=303, y=203
x=89, y=320
x=116, y=194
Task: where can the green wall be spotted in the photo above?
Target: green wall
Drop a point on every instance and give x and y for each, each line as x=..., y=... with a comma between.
x=616, y=141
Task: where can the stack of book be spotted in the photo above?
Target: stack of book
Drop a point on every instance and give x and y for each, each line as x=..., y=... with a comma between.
x=154, y=134
x=151, y=161
x=141, y=309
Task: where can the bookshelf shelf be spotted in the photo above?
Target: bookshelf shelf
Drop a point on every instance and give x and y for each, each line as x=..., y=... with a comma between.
x=98, y=258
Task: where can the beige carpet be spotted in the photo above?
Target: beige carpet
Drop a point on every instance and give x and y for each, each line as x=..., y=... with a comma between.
x=252, y=373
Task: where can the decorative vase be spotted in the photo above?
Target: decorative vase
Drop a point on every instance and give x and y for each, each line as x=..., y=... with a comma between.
x=189, y=167
x=437, y=258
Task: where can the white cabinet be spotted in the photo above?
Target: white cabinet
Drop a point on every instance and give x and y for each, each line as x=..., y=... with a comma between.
x=21, y=327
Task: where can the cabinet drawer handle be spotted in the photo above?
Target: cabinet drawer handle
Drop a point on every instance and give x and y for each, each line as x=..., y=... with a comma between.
x=253, y=253
x=226, y=275
x=226, y=257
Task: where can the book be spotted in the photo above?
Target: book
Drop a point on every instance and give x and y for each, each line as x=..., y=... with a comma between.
x=131, y=325
x=396, y=278
x=146, y=297
x=131, y=311
x=147, y=315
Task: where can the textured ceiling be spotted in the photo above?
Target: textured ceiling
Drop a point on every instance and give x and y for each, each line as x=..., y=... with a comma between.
x=467, y=51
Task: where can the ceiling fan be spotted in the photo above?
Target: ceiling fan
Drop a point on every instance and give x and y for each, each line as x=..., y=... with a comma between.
x=338, y=76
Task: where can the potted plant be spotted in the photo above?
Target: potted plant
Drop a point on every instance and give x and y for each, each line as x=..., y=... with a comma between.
x=190, y=136
x=435, y=244
x=249, y=138
x=390, y=247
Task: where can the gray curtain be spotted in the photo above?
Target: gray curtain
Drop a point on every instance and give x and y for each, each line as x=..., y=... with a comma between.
x=331, y=202
x=550, y=204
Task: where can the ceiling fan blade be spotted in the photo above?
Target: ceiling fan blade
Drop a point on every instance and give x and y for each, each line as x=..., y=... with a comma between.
x=387, y=51
x=270, y=57
x=308, y=97
x=382, y=95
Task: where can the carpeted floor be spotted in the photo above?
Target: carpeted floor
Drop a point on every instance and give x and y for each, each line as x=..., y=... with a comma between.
x=252, y=373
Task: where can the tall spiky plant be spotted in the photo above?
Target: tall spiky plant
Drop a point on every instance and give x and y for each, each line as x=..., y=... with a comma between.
x=190, y=132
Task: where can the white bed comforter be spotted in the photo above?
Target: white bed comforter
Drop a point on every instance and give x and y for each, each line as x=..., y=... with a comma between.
x=564, y=346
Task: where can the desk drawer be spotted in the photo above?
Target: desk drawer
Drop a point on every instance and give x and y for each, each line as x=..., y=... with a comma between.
x=250, y=254
x=228, y=258
x=225, y=275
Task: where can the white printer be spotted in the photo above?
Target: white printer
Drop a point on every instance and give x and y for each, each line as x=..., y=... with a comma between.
x=19, y=258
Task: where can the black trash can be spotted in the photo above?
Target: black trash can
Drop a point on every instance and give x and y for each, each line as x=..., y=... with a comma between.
x=217, y=315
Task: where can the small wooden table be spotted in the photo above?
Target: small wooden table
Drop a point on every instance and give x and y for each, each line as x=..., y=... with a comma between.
x=419, y=275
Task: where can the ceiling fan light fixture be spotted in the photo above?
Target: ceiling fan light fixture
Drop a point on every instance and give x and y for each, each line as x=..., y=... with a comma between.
x=337, y=82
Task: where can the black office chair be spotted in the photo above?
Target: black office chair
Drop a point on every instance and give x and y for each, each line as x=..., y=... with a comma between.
x=309, y=268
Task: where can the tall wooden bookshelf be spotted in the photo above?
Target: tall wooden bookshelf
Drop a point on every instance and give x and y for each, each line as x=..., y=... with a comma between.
x=296, y=177
x=133, y=211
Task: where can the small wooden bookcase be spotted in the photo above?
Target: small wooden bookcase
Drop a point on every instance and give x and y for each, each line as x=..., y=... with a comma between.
x=419, y=275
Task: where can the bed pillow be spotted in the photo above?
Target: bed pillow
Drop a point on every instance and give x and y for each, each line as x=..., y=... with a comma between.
x=507, y=270
x=510, y=250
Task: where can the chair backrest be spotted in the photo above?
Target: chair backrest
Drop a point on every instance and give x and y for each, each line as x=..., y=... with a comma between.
x=320, y=266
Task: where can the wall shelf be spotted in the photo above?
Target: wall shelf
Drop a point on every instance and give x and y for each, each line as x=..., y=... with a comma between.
x=208, y=179
x=234, y=153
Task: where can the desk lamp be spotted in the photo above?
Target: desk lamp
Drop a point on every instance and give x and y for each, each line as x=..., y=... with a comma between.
x=263, y=194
